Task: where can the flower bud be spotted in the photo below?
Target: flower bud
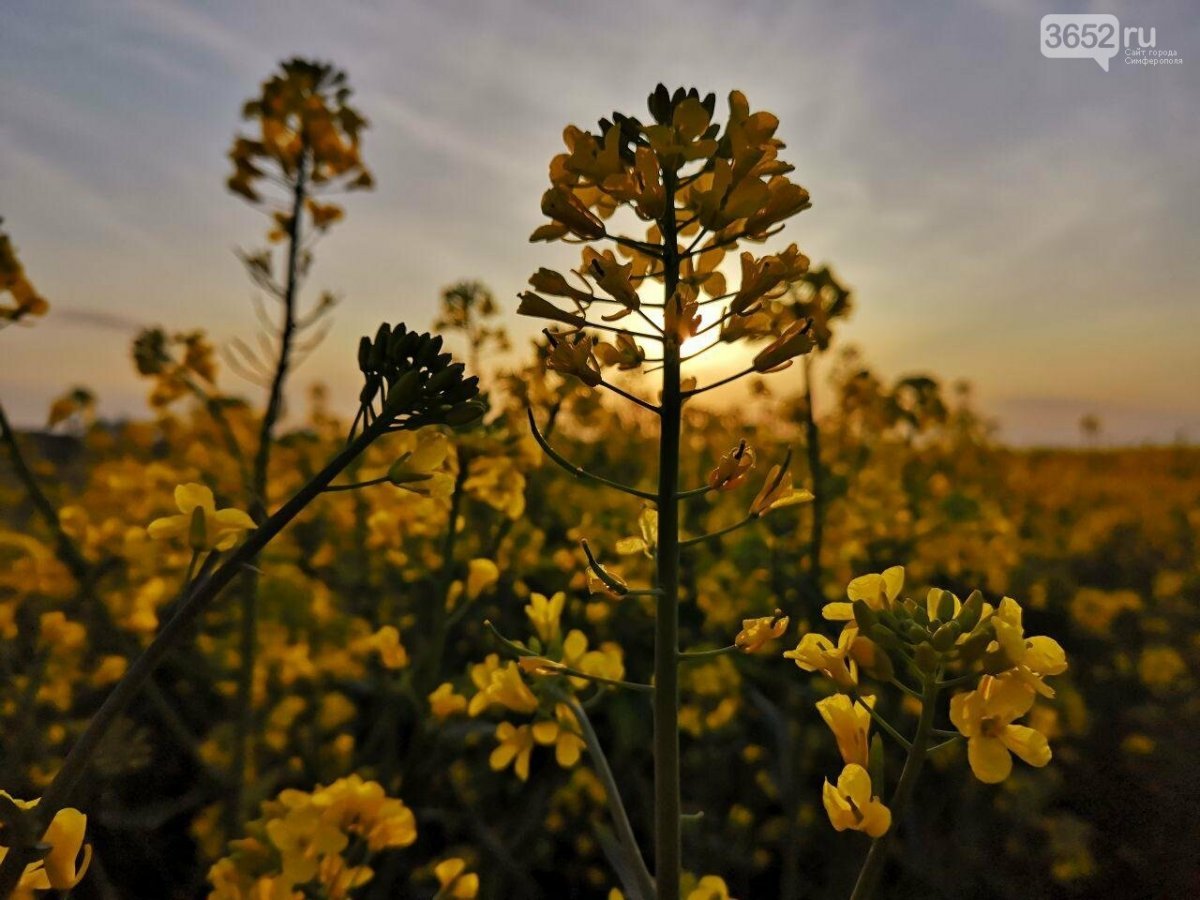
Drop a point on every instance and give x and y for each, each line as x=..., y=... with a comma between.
x=945, y=606
x=945, y=636
x=972, y=609
x=864, y=616
x=926, y=657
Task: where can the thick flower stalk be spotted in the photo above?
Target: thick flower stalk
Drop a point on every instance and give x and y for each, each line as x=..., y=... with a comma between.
x=693, y=191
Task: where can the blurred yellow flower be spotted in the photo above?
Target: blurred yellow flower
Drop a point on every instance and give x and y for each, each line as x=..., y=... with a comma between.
x=515, y=749
x=219, y=528
x=455, y=881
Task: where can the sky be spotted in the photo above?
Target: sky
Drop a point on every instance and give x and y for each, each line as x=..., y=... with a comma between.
x=1027, y=224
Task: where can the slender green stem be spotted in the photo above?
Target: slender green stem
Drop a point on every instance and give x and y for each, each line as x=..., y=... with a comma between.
x=876, y=861
x=644, y=404
x=357, y=484
x=884, y=724
x=576, y=470
x=177, y=628
x=694, y=655
x=625, y=835
x=700, y=539
x=721, y=382
x=668, y=846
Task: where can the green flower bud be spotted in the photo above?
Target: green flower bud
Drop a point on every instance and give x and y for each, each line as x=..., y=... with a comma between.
x=864, y=615
x=972, y=609
x=945, y=606
x=926, y=657
x=945, y=636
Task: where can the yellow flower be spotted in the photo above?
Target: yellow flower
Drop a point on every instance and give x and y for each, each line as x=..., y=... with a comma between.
x=506, y=688
x=516, y=746
x=756, y=633
x=220, y=528
x=1161, y=666
x=416, y=469
x=710, y=887
x=777, y=492
x=733, y=469
x=778, y=355
x=444, y=703
x=852, y=805
x=386, y=642
x=816, y=653
x=1032, y=658
x=850, y=723
x=985, y=717
x=545, y=614
x=456, y=882
x=563, y=734
x=481, y=575
x=61, y=868
x=877, y=591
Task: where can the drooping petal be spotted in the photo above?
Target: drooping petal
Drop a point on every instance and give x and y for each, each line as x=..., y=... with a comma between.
x=989, y=759
x=877, y=819
x=1045, y=656
x=1027, y=743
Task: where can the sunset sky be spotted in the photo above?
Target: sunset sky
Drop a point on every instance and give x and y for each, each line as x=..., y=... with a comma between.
x=1024, y=223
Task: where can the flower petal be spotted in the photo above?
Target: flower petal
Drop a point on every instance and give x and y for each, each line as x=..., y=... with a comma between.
x=989, y=759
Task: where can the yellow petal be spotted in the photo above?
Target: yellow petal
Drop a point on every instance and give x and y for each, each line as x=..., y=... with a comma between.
x=545, y=732
x=855, y=783
x=877, y=819
x=190, y=496
x=965, y=712
x=989, y=759
x=1027, y=743
x=1045, y=656
x=169, y=527
x=841, y=611
x=65, y=837
x=234, y=518
x=893, y=581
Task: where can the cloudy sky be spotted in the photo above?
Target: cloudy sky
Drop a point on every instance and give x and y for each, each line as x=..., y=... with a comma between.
x=1025, y=223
